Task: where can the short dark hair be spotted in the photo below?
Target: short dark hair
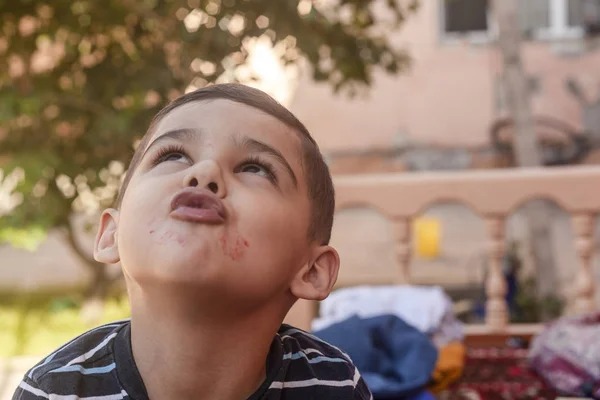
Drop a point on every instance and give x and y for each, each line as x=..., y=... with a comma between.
x=318, y=179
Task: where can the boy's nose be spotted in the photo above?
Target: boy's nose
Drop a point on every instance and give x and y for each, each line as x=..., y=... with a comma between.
x=206, y=174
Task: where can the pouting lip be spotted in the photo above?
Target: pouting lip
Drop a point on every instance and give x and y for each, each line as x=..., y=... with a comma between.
x=198, y=198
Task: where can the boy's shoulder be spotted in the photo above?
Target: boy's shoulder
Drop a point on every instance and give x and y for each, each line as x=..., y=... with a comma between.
x=297, y=340
x=316, y=368
x=88, y=348
x=57, y=374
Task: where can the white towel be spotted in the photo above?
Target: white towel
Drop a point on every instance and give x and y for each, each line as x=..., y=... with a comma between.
x=428, y=309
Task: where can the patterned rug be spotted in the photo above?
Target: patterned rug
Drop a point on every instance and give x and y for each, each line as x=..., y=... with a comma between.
x=498, y=373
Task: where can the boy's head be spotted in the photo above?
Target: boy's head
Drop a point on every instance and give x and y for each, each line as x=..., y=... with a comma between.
x=320, y=187
x=227, y=191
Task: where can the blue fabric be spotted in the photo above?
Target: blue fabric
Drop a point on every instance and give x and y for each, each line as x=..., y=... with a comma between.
x=395, y=359
x=423, y=395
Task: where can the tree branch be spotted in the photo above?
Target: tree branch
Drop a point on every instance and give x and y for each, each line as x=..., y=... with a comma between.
x=72, y=241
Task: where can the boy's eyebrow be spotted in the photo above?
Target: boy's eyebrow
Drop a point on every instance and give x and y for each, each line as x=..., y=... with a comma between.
x=184, y=135
x=257, y=146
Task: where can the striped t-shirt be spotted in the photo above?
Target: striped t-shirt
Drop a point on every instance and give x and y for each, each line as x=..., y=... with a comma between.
x=99, y=365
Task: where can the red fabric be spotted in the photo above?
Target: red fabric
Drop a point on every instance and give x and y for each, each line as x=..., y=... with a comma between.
x=498, y=373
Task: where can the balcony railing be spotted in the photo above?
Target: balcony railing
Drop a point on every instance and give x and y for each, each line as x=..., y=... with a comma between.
x=494, y=195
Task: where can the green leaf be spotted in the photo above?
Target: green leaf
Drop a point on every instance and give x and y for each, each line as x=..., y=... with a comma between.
x=26, y=239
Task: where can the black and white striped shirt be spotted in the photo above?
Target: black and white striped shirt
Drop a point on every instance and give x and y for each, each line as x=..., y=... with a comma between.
x=99, y=365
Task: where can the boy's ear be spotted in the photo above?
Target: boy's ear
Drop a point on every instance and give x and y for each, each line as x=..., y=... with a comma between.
x=106, y=249
x=315, y=280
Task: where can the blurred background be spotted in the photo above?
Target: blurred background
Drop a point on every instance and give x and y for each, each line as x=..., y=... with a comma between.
x=415, y=88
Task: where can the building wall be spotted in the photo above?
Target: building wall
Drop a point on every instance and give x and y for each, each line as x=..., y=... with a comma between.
x=449, y=97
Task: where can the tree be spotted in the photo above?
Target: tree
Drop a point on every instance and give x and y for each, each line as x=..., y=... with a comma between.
x=85, y=77
x=525, y=144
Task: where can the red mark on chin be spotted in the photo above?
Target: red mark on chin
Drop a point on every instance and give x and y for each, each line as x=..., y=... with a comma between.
x=151, y=231
x=235, y=251
x=223, y=243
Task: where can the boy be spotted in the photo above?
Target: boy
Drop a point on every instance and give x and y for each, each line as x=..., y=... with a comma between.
x=222, y=223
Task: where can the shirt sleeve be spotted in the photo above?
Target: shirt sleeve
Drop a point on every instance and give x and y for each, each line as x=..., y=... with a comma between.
x=361, y=391
x=29, y=390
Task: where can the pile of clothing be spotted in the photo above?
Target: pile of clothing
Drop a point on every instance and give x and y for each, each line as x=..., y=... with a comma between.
x=405, y=340
x=408, y=345
x=567, y=355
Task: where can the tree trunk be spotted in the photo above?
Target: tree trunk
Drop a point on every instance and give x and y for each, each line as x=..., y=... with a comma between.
x=95, y=294
x=526, y=149
x=100, y=284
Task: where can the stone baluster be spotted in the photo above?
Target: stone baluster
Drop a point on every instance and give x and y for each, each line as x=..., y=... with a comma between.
x=583, y=226
x=496, y=309
x=402, y=227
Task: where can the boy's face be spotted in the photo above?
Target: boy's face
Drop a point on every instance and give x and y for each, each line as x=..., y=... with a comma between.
x=219, y=202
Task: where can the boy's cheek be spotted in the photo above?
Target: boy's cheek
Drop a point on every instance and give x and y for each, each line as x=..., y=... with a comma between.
x=273, y=217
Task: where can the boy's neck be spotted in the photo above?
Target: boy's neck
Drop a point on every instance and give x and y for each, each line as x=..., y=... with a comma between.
x=182, y=355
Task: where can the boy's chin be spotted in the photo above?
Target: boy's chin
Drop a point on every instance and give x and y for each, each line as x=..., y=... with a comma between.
x=211, y=290
x=175, y=282
x=174, y=267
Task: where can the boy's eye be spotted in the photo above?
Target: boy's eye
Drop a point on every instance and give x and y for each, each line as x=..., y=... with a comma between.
x=255, y=169
x=174, y=155
x=258, y=167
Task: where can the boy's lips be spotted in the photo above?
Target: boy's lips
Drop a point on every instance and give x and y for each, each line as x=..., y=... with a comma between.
x=198, y=205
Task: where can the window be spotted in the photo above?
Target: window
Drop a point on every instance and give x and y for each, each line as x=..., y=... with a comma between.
x=538, y=19
x=570, y=18
x=533, y=16
x=463, y=16
x=584, y=13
